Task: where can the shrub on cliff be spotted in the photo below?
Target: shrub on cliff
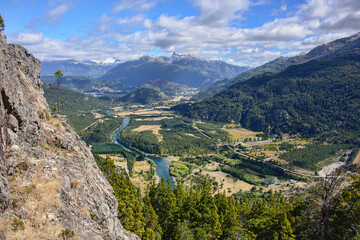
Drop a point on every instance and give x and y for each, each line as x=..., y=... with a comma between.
x=2, y=24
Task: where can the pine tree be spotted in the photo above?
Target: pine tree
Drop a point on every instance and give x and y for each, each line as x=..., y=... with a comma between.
x=58, y=74
x=2, y=24
x=163, y=201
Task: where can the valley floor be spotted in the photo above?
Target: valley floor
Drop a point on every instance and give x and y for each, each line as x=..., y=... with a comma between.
x=177, y=140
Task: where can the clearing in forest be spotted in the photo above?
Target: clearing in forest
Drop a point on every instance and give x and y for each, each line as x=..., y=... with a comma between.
x=154, y=128
x=357, y=159
x=138, y=179
x=191, y=135
x=141, y=112
x=227, y=182
x=154, y=118
x=238, y=133
x=96, y=115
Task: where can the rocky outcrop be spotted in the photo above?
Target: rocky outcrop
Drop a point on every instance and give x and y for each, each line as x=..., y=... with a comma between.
x=50, y=185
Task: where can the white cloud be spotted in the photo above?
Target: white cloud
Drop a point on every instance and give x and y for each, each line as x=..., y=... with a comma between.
x=346, y=21
x=315, y=9
x=279, y=30
x=139, y=5
x=209, y=35
x=29, y=38
x=220, y=12
x=56, y=13
x=333, y=15
x=137, y=19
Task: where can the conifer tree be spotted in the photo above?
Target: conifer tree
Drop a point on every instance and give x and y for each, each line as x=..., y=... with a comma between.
x=2, y=24
x=58, y=74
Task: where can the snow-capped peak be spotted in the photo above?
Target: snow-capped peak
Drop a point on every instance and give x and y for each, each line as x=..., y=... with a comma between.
x=108, y=61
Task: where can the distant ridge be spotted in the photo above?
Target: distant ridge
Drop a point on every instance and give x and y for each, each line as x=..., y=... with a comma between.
x=169, y=88
x=144, y=95
x=183, y=69
x=316, y=97
x=323, y=51
x=71, y=67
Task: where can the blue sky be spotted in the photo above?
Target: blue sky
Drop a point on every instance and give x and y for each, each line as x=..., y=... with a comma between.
x=242, y=32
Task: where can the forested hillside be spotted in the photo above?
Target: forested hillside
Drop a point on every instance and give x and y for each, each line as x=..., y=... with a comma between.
x=329, y=211
x=324, y=51
x=310, y=98
x=143, y=96
x=76, y=106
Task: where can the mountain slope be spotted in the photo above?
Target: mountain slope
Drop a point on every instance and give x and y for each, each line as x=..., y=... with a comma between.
x=89, y=85
x=182, y=69
x=143, y=96
x=280, y=64
x=317, y=96
x=169, y=88
x=78, y=107
x=50, y=185
x=71, y=67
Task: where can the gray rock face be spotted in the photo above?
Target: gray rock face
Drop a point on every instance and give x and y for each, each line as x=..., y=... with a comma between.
x=50, y=185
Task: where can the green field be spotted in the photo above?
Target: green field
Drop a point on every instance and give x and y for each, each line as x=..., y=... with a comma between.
x=175, y=137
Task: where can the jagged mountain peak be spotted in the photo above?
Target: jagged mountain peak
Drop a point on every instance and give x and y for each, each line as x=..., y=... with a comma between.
x=183, y=69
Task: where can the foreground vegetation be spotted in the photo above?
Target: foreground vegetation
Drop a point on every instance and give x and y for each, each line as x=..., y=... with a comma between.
x=328, y=211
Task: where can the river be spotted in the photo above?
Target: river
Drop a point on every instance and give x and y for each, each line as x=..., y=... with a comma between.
x=162, y=166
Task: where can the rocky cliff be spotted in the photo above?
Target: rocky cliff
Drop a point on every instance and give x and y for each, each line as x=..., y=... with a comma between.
x=50, y=185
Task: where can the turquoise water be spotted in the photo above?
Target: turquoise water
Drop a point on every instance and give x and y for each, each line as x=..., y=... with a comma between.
x=162, y=166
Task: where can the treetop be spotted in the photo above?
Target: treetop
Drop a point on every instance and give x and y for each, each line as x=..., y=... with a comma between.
x=58, y=72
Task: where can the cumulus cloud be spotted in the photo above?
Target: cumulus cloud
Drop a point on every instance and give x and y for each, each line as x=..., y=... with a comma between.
x=32, y=38
x=347, y=21
x=279, y=30
x=210, y=34
x=74, y=47
x=333, y=15
x=220, y=12
x=54, y=14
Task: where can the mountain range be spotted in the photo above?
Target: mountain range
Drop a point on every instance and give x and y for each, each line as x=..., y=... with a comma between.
x=280, y=64
x=321, y=95
x=89, y=85
x=182, y=69
x=71, y=67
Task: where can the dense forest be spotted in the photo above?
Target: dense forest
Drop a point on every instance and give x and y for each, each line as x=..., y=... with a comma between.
x=329, y=210
x=312, y=154
x=323, y=51
x=311, y=98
